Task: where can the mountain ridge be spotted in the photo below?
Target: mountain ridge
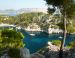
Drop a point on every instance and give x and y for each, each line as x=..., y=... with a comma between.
x=22, y=10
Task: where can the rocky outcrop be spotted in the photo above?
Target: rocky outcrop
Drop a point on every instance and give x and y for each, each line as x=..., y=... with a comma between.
x=24, y=53
x=37, y=55
x=55, y=54
x=53, y=47
x=71, y=53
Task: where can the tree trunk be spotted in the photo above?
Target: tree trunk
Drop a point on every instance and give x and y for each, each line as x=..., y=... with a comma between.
x=64, y=36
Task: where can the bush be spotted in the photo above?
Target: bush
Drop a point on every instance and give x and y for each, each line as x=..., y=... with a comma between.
x=56, y=42
x=11, y=39
x=71, y=45
x=14, y=53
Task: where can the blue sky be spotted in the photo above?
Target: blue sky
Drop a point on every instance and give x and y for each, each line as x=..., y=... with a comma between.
x=17, y=4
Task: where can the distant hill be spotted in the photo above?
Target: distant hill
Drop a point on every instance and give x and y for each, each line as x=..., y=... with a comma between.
x=12, y=12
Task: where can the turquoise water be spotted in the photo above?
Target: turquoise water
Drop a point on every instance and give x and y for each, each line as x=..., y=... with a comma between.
x=34, y=43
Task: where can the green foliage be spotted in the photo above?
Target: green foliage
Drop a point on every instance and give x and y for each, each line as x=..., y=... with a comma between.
x=50, y=11
x=56, y=42
x=11, y=39
x=7, y=19
x=70, y=28
x=54, y=2
x=71, y=45
x=61, y=25
x=22, y=20
x=42, y=22
x=66, y=4
x=14, y=53
x=27, y=18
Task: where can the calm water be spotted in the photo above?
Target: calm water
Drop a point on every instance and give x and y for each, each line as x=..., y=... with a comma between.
x=34, y=43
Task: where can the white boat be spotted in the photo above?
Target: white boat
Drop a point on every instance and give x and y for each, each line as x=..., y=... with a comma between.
x=32, y=34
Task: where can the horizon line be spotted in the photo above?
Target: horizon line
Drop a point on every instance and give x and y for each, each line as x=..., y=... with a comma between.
x=23, y=8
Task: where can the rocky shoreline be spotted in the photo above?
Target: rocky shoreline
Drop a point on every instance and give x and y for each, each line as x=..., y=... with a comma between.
x=48, y=53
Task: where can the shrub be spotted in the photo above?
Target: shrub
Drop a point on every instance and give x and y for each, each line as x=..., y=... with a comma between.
x=71, y=45
x=56, y=42
x=11, y=39
x=14, y=53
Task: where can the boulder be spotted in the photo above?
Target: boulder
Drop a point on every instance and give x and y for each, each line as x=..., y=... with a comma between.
x=24, y=53
x=37, y=55
x=5, y=56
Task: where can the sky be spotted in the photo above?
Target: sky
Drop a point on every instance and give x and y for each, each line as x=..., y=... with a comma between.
x=18, y=4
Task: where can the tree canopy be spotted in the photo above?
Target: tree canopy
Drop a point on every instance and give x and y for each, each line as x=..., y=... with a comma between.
x=64, y=5
x=67, y=9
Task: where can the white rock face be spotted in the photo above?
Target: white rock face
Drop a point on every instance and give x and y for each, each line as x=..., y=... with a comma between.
x=33, y=27
x=52, y=30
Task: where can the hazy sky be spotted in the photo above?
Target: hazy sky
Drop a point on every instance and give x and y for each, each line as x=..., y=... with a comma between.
x=17, y=4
